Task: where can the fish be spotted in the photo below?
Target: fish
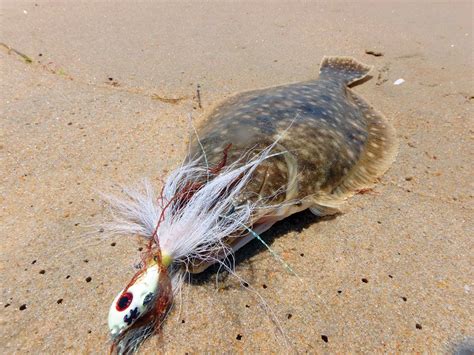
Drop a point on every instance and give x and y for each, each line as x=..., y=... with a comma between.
x=259, y=157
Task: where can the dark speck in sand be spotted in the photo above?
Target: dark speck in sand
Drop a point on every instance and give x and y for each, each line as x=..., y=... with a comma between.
x=22, y=307
x=418, y=326
x=113, y=244
x=325, y=338
x=42, y=272
x=238, y=337
x=88, y=279
x=404, y=299
x=364, y=280
x=374, y=53
x=264, y=286
x=59, y=301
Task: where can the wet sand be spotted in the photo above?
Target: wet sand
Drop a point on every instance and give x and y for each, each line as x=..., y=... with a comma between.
x=105, y=100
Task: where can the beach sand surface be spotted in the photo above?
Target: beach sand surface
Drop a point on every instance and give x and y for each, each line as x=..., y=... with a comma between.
x=96, y=94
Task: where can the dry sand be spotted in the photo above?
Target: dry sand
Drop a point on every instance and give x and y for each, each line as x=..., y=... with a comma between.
x=91, y=110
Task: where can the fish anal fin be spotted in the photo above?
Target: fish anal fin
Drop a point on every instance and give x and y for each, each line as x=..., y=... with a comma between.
x=379, y=153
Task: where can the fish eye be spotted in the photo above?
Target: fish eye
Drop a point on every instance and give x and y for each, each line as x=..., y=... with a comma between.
x=124, y=301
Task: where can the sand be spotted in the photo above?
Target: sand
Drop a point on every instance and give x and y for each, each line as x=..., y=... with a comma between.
x=105, y=101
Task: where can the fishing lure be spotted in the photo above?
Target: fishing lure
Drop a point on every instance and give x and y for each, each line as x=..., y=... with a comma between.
x=261, y=156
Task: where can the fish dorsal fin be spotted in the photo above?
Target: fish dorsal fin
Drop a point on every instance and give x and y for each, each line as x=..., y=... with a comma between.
x=378, y=154
x=344, y=69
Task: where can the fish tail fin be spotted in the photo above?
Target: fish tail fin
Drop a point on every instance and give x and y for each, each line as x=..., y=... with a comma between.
x=345, y=69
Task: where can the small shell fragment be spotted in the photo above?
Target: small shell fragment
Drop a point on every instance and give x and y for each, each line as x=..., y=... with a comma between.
x=398, y=81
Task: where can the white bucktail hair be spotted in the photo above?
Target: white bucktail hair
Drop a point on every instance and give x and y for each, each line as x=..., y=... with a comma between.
x=198, y=229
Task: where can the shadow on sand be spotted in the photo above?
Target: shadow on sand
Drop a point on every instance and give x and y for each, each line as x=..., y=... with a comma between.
x=295, y=223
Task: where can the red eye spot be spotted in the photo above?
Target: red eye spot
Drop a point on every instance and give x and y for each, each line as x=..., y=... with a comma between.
x=124, y=301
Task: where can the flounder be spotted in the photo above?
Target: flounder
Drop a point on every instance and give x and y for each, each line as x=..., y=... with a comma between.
x=333, y=143
x=259, y=157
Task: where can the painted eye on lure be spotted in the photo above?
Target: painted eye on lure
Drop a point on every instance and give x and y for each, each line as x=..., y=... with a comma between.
x=133, y=302
x=124, y=302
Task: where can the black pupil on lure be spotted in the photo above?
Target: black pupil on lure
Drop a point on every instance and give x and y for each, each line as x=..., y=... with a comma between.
x=124, y=301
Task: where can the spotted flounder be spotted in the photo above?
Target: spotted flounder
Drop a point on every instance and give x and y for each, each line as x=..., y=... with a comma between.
x=332, y=143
